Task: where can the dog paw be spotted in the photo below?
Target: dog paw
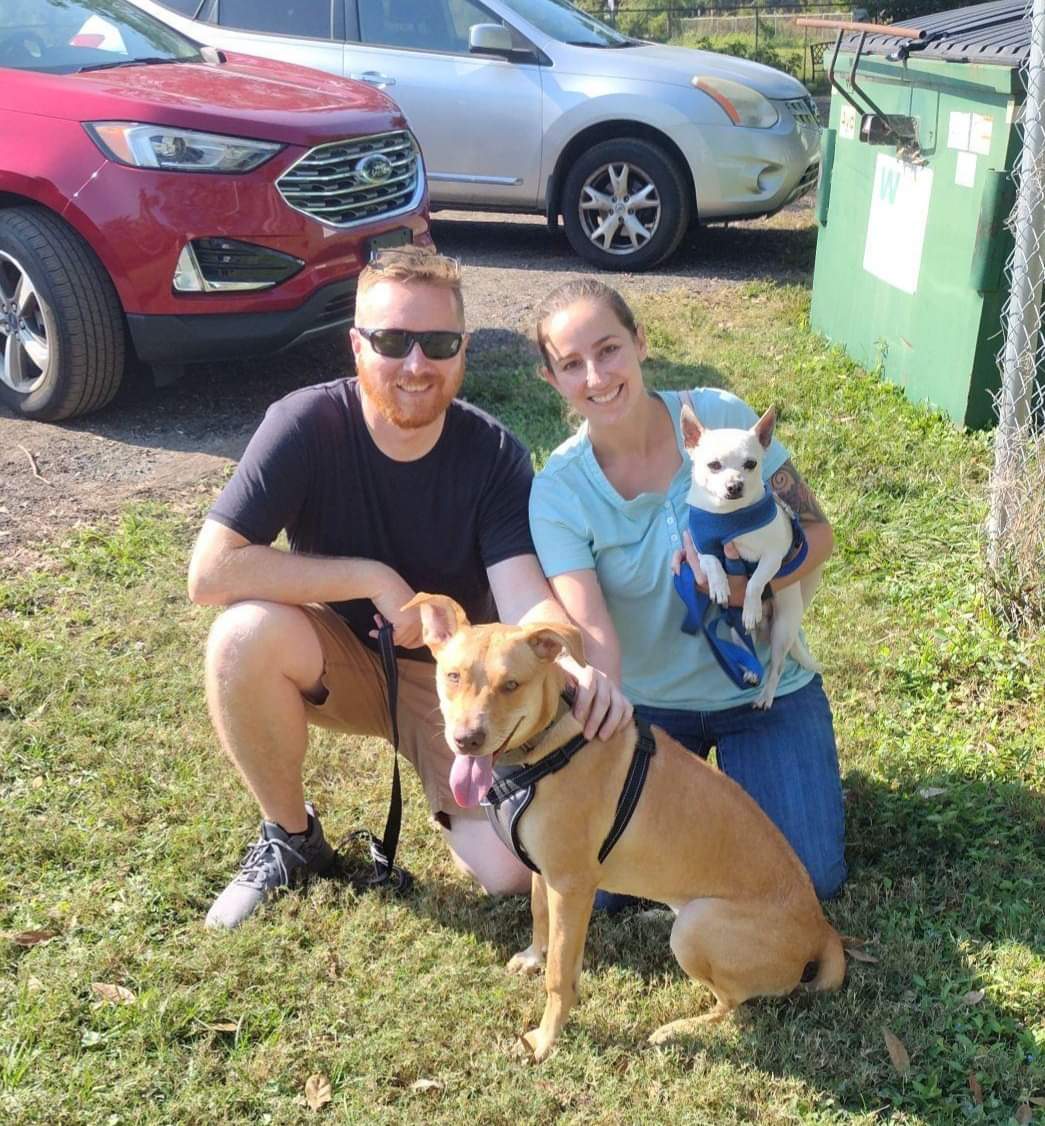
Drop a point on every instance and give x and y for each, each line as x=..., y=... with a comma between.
x=527, y=962
x=752, y=613
x=532, y=1047
x=718, y=588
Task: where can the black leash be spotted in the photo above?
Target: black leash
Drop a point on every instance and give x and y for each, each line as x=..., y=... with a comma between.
x=383, y=852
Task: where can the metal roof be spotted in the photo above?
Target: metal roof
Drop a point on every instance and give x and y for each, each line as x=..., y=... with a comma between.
x=997, y=32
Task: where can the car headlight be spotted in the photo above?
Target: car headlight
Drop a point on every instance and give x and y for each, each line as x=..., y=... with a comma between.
x=741, y=104
x=177, y=150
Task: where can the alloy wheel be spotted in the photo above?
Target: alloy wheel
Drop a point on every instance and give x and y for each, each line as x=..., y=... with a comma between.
x=619, y=208
x=27, y=328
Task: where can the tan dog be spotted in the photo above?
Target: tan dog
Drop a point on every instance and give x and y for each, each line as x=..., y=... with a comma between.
x=747, y=924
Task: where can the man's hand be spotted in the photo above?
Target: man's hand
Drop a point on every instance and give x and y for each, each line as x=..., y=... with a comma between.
x=599, y=705
x=393, y=595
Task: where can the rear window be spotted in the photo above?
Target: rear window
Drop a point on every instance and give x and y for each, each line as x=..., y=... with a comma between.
x=66, y=36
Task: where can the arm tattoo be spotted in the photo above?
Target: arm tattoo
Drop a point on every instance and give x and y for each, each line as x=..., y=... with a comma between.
x=788, y=485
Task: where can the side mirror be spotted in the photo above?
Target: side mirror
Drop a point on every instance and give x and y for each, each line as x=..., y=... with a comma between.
x=490, y=39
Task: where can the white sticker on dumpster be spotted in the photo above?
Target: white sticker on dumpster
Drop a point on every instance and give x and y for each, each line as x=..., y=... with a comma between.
x=896, y=223
x=847, y=123
x=980, y=133
x=965, y=170
x=958, y=126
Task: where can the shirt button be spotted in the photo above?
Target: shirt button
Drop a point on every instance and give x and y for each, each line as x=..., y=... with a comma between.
x=671, y=519
x=674, y=539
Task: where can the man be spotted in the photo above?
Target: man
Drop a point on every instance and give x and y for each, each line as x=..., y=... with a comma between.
x=385, y=485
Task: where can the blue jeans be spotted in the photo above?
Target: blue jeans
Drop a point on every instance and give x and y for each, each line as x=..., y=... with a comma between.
x=786, y=759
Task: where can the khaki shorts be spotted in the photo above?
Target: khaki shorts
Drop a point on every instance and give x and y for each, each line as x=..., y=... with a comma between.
x=356, y=703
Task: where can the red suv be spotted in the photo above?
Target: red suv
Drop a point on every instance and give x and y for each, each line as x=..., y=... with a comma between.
x=177, y=203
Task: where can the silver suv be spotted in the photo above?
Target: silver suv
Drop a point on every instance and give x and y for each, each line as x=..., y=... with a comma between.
x=534, y=106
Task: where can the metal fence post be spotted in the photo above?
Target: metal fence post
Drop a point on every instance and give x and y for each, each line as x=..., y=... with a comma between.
x=1018, y=477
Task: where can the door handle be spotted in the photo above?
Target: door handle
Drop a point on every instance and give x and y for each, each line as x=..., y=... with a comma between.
x=375, y=78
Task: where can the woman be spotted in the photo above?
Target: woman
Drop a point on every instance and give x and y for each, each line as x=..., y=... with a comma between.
x=608, y=514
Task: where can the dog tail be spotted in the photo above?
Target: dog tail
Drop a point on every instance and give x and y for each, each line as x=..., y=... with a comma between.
x=800, y=652
x=830, y=963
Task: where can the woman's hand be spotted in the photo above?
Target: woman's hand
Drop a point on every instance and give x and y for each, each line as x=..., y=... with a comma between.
x=599, y=705
x=737, y=583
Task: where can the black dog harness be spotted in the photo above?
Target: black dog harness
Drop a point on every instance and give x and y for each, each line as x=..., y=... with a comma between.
x=516, y=783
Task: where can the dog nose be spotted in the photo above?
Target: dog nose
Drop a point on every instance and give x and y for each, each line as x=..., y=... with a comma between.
x=469, y=738
x=734, y=489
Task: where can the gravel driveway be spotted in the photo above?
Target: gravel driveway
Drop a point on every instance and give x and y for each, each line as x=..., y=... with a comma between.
x=173, y=443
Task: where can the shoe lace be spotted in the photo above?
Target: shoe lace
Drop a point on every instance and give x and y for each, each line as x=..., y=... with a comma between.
x=264, y=855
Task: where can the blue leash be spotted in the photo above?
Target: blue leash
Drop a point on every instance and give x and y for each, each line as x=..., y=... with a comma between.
x=738, y=661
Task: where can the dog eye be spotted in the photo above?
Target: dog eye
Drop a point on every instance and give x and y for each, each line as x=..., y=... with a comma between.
x=509, y=686
x=714, y=466
x=453, y=677
x=749, y=464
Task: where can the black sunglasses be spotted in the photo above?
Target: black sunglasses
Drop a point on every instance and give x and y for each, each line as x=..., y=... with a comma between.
x=395, y=343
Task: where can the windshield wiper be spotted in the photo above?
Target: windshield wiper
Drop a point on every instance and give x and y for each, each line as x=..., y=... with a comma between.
x=599, y=46
x=154, y=60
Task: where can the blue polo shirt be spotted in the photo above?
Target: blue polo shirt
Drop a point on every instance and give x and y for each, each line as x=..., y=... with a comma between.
x=580, y=522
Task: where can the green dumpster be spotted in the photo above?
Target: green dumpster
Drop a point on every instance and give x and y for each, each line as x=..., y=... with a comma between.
x=915, y=191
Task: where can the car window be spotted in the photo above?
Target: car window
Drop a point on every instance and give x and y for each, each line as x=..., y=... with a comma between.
x=75, y=35
x=307, y=18
x=562, y=21
x=427, y=25
x=189, y=8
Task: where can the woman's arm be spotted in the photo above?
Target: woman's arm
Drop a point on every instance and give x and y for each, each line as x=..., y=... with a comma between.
x=523, y=595
x=581, y=596
x=788, y=485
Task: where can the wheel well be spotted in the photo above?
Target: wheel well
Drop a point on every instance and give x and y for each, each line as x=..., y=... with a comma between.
x=610, y=131
x=12, y=199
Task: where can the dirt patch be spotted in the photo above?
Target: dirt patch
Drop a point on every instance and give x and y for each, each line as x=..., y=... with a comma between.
x=171, y=443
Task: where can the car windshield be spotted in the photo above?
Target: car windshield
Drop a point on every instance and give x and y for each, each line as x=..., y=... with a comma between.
x=67, y=36
x=568, y=24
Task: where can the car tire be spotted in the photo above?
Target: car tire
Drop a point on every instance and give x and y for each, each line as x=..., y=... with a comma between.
x=640, y=185
x=62, y=335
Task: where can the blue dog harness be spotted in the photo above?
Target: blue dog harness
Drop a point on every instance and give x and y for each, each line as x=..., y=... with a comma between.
x=711, y=531
x=516, y=783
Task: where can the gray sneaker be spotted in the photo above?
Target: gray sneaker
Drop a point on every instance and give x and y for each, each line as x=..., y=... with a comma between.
x=275, y=860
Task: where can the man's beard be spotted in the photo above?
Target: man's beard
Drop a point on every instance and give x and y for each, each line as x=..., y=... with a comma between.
x=404, y=410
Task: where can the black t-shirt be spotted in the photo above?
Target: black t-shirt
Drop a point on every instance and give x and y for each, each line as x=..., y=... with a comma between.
x=313, y=469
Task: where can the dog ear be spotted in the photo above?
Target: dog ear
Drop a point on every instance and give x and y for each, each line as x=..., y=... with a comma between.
x=441, y=618
x=763, y=429
x=692, y=427
x=548, y=641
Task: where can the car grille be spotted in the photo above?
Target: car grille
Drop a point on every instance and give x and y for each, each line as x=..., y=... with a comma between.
x=328, y=182
x=803, y=110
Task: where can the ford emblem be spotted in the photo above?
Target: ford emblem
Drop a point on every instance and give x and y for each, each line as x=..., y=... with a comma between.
x=375, y=169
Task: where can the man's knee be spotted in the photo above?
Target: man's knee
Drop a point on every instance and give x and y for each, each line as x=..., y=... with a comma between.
x=258, y=637
x=478, y=853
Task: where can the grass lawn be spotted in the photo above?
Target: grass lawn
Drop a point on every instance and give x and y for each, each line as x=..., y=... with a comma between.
x=121, y=822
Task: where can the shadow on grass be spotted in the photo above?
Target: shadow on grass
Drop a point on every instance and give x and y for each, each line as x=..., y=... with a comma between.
x=947, y=883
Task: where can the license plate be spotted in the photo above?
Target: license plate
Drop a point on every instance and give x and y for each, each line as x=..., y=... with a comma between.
x=401, y=236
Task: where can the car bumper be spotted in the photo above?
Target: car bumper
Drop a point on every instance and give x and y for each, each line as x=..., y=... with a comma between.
x=743, y=173
x=139, y=220
x=199, y=337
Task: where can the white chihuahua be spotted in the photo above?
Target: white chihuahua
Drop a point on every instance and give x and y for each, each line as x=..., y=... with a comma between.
x=729, y=503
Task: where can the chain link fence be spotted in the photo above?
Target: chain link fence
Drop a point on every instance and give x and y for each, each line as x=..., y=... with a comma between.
x=1016, y=522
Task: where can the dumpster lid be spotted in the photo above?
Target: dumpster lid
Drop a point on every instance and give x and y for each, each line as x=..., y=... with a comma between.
x=996, y=32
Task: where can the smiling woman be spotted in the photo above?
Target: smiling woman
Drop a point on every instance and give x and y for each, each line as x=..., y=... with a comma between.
x=607, y=515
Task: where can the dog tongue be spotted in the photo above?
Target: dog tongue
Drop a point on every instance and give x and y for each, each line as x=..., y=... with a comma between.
x=470, y=778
